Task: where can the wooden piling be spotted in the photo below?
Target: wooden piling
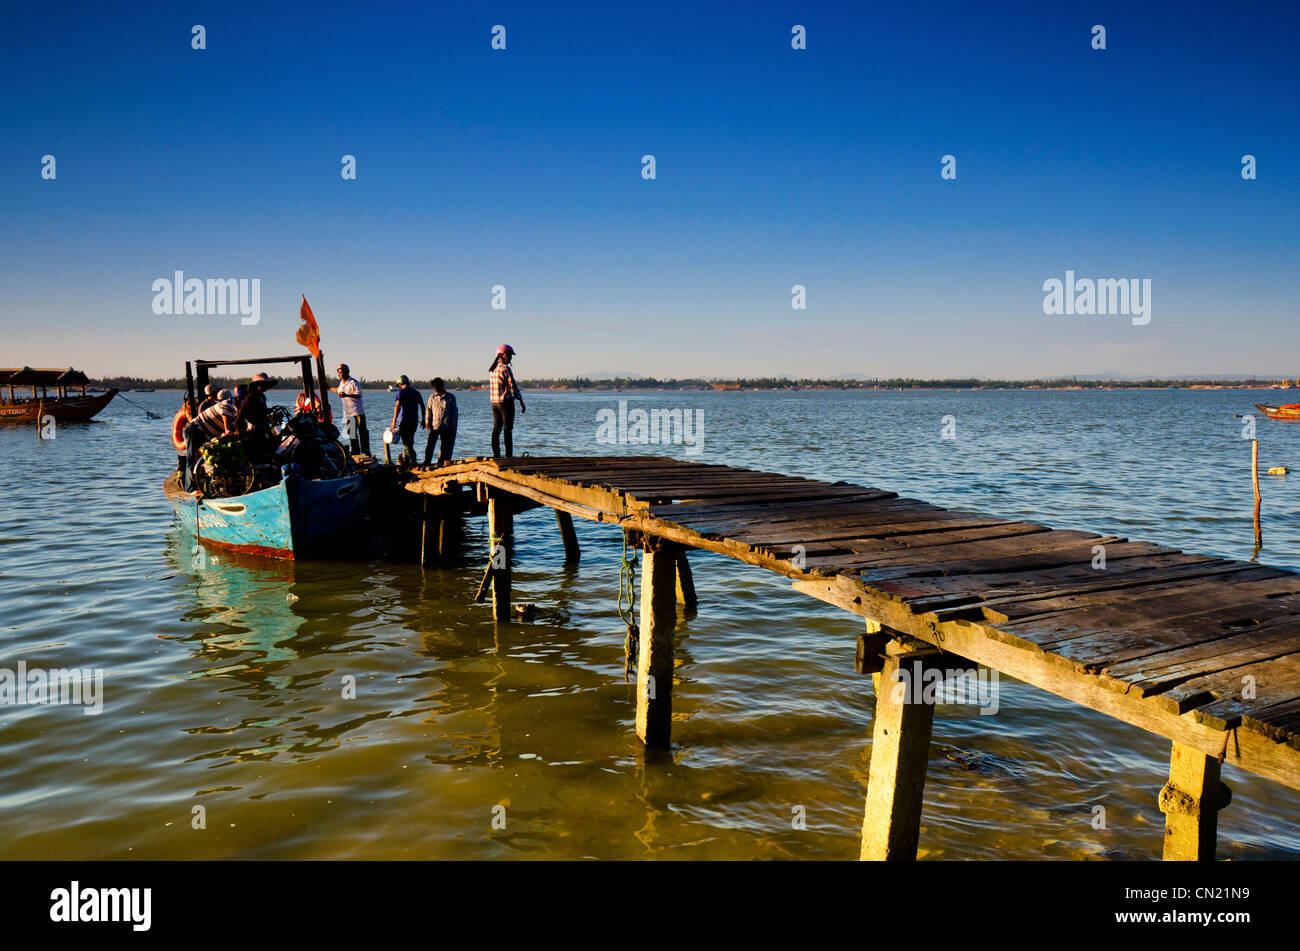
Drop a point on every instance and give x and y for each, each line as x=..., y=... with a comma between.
x=432, y=540
x=654, y=674
x=900, y=752
x=500, y=532
x=685, y=582
x=572, y=554
x=1191, y=801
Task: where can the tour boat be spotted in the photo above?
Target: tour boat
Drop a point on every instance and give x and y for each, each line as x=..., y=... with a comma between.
x=64, y=405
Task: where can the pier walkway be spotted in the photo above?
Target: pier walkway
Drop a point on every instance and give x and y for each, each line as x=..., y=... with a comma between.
x=1200, y=650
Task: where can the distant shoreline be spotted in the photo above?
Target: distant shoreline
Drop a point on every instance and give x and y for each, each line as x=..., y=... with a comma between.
x=768, y=384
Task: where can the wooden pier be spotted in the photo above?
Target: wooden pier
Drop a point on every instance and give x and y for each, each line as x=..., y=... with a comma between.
x=1200, y=650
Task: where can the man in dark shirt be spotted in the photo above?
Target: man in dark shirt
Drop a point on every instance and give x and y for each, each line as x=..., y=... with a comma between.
x=255, y=416
x=408, y=413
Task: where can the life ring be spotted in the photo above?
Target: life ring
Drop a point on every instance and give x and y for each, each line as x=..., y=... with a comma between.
x=179, y=422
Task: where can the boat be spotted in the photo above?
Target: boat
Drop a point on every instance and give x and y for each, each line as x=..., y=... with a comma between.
x=278, y=512
x=1287, y=411
x=296, y=518
x=64, y=405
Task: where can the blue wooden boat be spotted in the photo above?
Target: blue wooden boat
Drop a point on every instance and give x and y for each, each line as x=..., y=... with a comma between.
x=294, y=519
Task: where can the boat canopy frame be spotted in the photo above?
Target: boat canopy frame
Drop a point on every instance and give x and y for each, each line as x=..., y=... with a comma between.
x=197, y=377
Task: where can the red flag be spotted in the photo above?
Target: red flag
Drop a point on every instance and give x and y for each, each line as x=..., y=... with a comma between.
x=309, y=333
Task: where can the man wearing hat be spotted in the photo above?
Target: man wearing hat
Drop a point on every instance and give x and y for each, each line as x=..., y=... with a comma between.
x=408, y=413
x=209, y=396
x=254, y=414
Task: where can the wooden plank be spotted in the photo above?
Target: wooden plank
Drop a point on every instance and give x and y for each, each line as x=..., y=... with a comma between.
x=985, y=645
x=1272, y=681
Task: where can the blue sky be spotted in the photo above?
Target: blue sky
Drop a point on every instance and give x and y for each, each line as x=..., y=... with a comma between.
x=775, y=167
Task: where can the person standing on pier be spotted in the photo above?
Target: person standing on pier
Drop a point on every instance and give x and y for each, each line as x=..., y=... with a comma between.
x=354, y=411
x=408, y=413
x=442, y=419
x=504, y=391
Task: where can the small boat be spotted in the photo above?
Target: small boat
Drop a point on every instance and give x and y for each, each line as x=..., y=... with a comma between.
x=1288, y=411
x=64, y=405
x=292, y=517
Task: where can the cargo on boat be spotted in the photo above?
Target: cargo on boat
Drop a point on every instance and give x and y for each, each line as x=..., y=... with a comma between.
x=16, y=406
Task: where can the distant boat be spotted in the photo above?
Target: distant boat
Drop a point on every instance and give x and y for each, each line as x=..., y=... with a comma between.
x=725, y=386
x=63, y=405
x=1289, y=411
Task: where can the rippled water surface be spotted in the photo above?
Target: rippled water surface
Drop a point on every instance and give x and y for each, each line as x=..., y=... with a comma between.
x=224, y=681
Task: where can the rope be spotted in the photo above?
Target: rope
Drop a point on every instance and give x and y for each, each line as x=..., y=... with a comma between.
x=627, y=587
x=494, y=541
x=138, y=406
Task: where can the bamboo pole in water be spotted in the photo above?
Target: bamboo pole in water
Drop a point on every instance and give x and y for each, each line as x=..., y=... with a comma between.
x=1254, y=475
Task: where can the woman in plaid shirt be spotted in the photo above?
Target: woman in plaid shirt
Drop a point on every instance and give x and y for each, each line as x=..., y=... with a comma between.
x=504, y=391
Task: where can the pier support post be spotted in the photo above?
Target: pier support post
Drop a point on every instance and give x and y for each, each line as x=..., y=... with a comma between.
x=869, y=657
x=1191, y=801
x=501, y=523
x=654, y=672
x=900, y=752
x=572, y=554
x=432, y=531
x=685, y=582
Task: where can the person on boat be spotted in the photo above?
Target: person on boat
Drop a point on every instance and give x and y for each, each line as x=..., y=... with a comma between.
x=209, y=396
x=217, y=420
x=503, y=391
x=254, y=416
x=354, y=411
x=442, y=418
x=408, y=413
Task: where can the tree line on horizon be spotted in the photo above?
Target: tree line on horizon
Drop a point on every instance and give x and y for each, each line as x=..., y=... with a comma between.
x=748, y=383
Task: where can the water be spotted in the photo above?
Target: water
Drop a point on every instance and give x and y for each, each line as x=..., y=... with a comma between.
x=224, y=682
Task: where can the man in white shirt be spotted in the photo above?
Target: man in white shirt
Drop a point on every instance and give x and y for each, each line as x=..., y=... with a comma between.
x=354, y=411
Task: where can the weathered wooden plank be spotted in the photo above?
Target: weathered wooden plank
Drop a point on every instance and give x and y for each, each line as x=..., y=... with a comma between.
x=986, y=645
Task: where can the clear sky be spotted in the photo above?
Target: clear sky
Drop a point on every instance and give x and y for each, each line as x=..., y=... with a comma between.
x=775, y=167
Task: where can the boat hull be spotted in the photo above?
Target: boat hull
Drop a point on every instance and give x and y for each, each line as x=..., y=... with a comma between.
x=296, y=519
x=1291, y=411
x=67, y=410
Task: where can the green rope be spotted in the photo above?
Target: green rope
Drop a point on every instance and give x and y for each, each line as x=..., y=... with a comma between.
x=627, y=590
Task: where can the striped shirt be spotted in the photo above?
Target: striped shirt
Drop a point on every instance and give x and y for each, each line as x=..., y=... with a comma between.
x=211, y=419
x=502, y=384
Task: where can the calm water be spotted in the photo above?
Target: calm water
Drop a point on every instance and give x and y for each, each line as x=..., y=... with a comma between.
x=224, y=682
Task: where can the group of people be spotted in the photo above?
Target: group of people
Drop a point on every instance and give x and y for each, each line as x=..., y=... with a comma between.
x=223, y=411
x=440, y=415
